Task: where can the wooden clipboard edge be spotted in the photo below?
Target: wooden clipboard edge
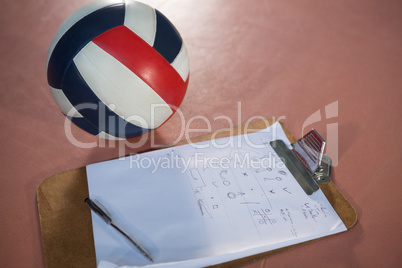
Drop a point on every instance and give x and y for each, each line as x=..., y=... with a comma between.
x=61, y=221
x=56, y=255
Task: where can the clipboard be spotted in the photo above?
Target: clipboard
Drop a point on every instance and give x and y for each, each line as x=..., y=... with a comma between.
x=66, y=223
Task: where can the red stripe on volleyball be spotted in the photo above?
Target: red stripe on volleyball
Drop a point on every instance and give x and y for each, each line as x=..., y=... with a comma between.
x=143, y=60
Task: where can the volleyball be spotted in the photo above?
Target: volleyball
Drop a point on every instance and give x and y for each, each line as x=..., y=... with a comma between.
x=118, y=69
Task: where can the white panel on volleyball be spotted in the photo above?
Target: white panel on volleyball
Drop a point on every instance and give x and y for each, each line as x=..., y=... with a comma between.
x=65, y=105
x=120, y=89
x=75, y=17
x=141, y=19
x=181, y=63
x=106, y=136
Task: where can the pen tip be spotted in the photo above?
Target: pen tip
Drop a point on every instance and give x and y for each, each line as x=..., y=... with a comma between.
x=146, y=255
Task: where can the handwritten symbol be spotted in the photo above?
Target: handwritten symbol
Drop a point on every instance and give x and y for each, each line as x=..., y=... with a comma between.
x=263, y=170
x=226, y=183
x=198, y=180
x=231, y=195
x=223, y=172
x=270, y=179
x=263, y=216
x=293, y=231
x=272, y=191
x=245, y=174
x=203, y=209
x=286, y=190
x=282, y=172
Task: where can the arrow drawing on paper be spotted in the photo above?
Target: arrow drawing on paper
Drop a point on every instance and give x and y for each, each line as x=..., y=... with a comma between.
x=203, y=209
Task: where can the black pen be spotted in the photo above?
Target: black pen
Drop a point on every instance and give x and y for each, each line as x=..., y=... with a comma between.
x=102, y=212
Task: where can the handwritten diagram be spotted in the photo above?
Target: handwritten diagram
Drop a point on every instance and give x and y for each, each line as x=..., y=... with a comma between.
x=252, y=194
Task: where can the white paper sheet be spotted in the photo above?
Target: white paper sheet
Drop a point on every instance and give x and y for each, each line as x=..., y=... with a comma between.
x=205, y=203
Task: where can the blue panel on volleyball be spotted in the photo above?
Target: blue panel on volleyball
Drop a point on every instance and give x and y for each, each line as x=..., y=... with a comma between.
x=84, y=124
x=76, y=38
x=167, y=40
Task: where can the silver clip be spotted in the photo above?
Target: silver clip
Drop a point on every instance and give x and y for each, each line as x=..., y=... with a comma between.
x=306, y=160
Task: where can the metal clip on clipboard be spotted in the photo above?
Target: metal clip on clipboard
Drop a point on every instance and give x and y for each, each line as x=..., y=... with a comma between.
x=306, y=160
